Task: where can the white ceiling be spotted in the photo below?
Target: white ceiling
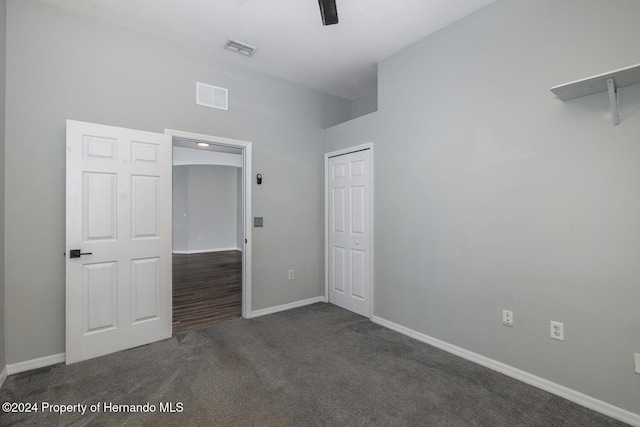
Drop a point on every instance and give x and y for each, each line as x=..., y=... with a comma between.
x=291, y=40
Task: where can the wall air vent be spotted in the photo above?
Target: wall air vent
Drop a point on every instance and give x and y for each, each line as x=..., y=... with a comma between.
x=212, y=96
x=240, y=47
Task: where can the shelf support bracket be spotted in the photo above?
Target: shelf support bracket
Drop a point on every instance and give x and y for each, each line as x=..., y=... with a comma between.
x=613, y=99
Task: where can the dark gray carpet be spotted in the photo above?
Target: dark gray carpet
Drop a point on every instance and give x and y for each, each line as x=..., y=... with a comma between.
x=314, y=366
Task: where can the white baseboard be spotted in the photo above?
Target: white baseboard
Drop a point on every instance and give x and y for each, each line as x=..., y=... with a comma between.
x=557, y=389
x=284, y=307
x=3, y=376
x=40, y=362
x=204, y=251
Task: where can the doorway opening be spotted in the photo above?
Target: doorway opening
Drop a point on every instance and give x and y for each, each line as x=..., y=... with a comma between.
x=211, y=229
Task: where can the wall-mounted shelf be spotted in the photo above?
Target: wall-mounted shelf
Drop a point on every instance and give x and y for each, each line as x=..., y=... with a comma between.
x=606, y=82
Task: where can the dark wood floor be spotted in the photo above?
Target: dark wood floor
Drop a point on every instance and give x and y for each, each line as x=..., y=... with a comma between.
x=207, y=289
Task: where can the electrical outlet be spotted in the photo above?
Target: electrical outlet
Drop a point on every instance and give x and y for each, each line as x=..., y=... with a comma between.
x=557, y=331
x=291, y=274
x=507, y=318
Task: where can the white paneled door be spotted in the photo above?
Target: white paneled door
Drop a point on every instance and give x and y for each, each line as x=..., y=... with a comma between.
x=118, y=239
x=349, y=183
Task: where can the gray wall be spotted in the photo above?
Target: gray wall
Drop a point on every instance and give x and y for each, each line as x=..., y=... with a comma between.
x=61, y=66
x=3, y=65
x=491, y=194
x=210, y=205
x=180, y=204
x=239, y=222
x=364, y=105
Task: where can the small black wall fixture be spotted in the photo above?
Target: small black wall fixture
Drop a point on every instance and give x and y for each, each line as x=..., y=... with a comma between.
x=259, y=179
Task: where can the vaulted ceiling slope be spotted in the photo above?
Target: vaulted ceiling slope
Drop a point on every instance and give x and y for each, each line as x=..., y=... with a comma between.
x=291, y=40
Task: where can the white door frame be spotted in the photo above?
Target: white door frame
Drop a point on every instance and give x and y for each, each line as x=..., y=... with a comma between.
x=246, y=147
x=327, y=156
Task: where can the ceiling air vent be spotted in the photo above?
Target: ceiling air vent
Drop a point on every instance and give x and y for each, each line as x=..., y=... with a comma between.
x=212, y=96
x=240, y=47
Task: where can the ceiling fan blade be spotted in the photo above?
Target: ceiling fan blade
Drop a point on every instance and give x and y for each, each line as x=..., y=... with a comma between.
x=329, y=12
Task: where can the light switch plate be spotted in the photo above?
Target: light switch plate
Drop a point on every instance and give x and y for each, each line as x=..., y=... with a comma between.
x=257, y=221
x=637, y=359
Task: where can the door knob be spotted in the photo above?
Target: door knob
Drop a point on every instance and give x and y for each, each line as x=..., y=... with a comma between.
x=76, y=253
x=357, y=242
